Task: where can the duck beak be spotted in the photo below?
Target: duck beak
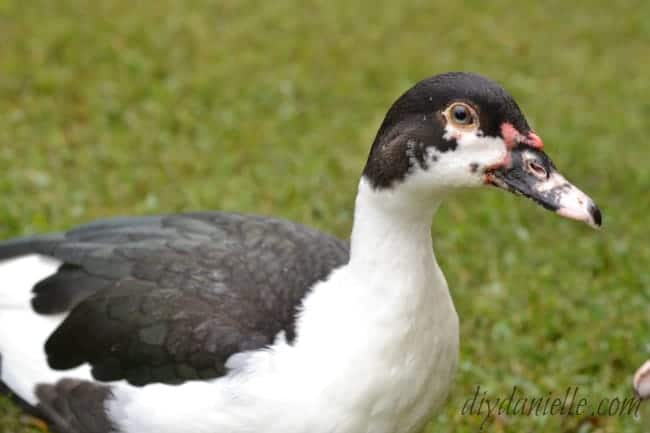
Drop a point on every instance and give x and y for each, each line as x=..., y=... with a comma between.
x=528, y=171
x=642, y=381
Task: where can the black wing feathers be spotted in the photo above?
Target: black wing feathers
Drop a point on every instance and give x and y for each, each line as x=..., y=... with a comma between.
x=169, y=299
x=75, y=406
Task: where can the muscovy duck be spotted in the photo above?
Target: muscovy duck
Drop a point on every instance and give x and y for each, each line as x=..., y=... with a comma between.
x=224, y=323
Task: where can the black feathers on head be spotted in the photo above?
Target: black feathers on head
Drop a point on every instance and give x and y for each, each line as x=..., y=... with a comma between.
x=414, y=122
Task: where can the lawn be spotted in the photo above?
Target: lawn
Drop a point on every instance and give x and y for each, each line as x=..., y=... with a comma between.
x=124, y=107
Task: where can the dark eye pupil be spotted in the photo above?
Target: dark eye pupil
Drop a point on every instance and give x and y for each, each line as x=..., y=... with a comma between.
x=461, y=114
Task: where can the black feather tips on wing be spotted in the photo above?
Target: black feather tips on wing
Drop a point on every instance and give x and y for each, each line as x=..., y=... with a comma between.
x=75, y=406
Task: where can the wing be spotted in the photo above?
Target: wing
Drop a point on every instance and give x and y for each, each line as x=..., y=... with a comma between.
x=169, y=299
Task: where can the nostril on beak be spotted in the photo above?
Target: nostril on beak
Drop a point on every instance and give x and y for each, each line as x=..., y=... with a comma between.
x=537, y=170
x=595, y=214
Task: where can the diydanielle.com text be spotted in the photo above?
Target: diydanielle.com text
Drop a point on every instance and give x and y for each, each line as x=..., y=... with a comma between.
x=570, y=403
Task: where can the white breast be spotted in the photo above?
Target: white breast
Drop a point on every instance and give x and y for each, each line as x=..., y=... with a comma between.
x=387, y=361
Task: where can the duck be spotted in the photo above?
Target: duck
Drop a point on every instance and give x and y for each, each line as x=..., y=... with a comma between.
x=641, y=381
x=216, y=322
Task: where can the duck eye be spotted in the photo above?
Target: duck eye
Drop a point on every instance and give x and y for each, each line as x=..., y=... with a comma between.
x=462, y=115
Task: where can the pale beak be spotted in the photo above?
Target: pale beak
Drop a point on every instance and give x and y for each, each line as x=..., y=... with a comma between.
x=531, y=173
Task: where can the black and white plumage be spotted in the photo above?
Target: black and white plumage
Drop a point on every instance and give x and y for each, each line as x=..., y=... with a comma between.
x=214, y=322
x=237, y=279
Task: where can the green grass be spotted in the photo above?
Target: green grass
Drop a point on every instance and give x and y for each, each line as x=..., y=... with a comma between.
x=125, y=107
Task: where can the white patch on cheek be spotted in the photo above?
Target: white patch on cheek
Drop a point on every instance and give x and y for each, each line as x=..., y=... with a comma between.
x=476, y=148
x=462, y=166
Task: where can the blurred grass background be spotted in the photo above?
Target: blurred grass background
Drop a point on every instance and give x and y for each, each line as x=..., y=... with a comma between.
x=139, y=107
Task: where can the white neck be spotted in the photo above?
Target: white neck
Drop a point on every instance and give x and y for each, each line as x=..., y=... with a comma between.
x=389, y=228
x=392, y=273
x=392, y=251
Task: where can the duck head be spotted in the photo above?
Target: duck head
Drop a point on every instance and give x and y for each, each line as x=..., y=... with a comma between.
x=463, y=130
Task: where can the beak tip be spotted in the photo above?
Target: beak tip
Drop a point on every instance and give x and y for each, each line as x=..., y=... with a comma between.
x=596, y=216
x=589, y=214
